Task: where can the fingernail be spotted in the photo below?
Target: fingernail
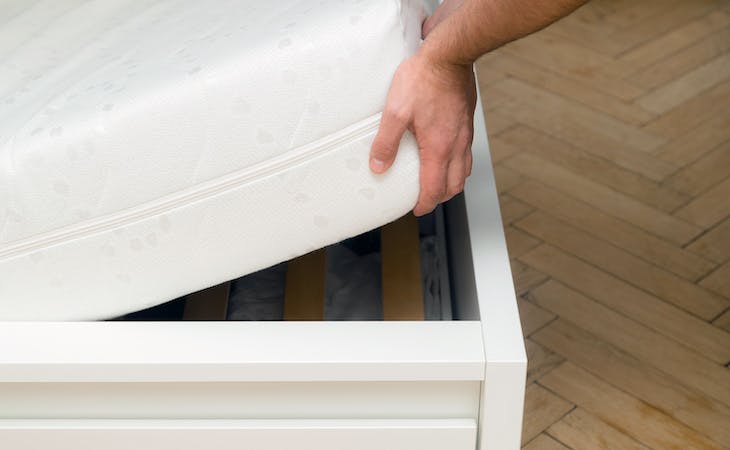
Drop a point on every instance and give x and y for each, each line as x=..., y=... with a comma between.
x=377, y=165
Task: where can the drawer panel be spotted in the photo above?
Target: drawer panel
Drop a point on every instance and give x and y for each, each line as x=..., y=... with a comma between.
x=454, y=434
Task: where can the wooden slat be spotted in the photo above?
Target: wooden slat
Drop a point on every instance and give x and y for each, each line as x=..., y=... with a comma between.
x=305, y=284
x=208, y=304
x=401, y=270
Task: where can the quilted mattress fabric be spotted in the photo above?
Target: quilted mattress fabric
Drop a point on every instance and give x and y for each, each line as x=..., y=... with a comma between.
x=153, y=148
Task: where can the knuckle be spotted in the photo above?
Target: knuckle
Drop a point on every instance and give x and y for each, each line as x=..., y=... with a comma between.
x=396, y=113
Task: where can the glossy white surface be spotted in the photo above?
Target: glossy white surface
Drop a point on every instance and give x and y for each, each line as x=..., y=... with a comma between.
x=153, y=148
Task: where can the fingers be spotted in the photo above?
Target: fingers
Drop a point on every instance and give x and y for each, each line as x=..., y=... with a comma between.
x=469, y=162
x=433, y=184
x=444, y=172
x=455, y=176
x=385, y=145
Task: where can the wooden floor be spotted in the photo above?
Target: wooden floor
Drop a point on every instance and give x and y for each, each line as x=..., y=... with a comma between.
x=610, y=135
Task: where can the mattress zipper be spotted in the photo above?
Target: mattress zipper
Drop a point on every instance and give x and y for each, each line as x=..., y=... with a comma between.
x=195, y=193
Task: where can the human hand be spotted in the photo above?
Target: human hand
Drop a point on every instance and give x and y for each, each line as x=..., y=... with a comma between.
x=436, y=103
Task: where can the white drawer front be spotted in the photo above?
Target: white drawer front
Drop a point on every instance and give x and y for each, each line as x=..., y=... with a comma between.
x=452, y=434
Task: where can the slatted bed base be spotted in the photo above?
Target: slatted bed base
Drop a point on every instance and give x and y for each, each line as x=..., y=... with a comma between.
x=305, y=281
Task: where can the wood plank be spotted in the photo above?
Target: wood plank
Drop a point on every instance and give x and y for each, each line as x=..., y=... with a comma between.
x=638, y=379
x=584, y=93
x=715, y=244
x=661, y=20
x=542, y=409
x=208, y=304
x=677, y=39
x=532, y=317
x=501, y=150
x=401, y=267
x=600, y=125
x=607, y=200
x=665, y=285
x=525, y=139
x=622, y=234
x=641, y=342
x=525, y=278
x=693, y=145
x=687, y=86
x=678, y=122
x=719, y=281
x=512, y=209
x=709, y=208
x=683, y=61
x=581, y=429
x=561, y=124
x=705, y=172
x=496, y=123
x=599, y=34
x=723, y=321
x=673, y=323
x=544, y=442
x=519, y=242
x=625, y=413
x=305, y=284
x=540, y=360
x=576, y=62
x=506, y=178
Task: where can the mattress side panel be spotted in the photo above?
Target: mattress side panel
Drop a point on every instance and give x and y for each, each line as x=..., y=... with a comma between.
x=115, y=104
x=235, y=232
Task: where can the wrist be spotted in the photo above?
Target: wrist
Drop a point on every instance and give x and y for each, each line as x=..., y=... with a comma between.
x=443, y=68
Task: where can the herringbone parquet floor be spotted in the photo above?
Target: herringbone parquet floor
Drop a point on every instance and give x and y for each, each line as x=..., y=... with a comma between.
x=610, y=134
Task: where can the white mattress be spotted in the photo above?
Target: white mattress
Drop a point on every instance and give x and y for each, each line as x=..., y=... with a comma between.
x=152, y=148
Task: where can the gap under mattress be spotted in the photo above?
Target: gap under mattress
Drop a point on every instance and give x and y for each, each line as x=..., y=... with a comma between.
x=151, y=149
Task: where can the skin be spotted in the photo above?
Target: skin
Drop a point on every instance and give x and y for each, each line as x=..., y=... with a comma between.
x=433, y=93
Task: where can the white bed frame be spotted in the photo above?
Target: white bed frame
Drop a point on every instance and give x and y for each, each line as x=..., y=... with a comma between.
x=453, y=385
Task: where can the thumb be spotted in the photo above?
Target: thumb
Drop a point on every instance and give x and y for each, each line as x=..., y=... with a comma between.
x=385, y=145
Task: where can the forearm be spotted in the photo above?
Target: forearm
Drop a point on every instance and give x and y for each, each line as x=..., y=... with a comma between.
x=476, y=27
